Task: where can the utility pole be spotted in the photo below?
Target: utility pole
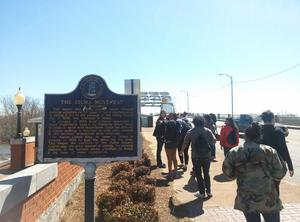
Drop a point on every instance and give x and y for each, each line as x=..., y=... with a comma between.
x=231, y=83
x=187, y=100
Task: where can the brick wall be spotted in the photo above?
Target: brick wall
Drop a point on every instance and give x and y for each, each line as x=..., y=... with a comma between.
x=30, y=209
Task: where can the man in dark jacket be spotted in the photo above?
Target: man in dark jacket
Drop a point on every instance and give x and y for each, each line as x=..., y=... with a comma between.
x=275, y=138
x=159, y=134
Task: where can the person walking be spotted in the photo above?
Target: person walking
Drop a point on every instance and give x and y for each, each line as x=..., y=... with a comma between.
x=274, y=137
x=200, y=139
x=209, y=123
x=171, y=136
x=255, y=168
x=159, y=134
x=183, y=157
x=229, y=135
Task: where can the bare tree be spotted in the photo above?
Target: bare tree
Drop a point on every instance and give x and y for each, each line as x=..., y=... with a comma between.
x=8, y=117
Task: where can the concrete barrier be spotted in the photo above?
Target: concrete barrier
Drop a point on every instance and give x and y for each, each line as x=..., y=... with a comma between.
x=17, y=187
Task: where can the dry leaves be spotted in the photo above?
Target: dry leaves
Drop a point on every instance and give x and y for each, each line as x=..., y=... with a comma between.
x=74, y=211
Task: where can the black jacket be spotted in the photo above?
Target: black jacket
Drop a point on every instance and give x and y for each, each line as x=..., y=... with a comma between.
x=159, y=129
x=274, y=137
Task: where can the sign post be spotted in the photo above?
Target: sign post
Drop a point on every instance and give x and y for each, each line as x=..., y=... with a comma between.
x=89, y=126
x=89, y=194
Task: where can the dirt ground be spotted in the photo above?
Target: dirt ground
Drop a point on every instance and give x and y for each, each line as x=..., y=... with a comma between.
x=74, y=210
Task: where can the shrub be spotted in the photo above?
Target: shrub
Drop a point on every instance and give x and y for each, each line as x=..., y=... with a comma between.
x=119, y=185
x=141, y=171
x=148, y=180
x=110, y=200
x=120, y=166
x=145, y=161
x=123, y=175
x=133, y=213
x=141, y=192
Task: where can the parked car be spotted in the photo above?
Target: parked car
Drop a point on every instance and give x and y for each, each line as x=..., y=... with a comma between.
x=245, y=120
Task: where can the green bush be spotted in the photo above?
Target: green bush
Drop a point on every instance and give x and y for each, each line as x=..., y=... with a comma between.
x=132, y=213
x=141, y=171
x=141, y=192
x=110, y=200
x=120, y=166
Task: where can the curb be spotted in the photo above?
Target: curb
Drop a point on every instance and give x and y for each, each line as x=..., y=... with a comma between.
x=4, y=163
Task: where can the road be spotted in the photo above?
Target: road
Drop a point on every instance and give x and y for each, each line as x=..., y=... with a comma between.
x=293, y=143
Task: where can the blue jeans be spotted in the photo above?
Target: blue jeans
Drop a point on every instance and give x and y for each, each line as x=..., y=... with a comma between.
x=268, y=217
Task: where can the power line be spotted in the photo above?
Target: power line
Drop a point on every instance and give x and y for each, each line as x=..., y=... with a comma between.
x=271, y=75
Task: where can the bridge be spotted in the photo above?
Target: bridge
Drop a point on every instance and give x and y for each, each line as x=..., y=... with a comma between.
x=157, y=99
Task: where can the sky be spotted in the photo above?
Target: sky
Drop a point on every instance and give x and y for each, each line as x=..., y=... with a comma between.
x=170, y=45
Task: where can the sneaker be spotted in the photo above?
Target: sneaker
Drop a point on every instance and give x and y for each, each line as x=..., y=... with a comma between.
x=170, y=176
x=200, y=195
x=209, y=195
x=162, y=165
x=180, y=165
x=184, y=167
x=175, y=175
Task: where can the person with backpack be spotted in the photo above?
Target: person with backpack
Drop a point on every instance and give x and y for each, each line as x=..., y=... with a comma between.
x=209, y=123
x=183, y=157
x=171, y=136
x=200, y=139
x=183, y=116
x=214, y=119
x=255, y=167
x=275, y=138
x=229, y=135
x=159, y=135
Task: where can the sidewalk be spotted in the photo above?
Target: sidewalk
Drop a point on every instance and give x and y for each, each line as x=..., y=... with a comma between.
x=219, y=208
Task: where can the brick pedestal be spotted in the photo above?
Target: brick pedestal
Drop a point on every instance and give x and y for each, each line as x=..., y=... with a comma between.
x=22, y=152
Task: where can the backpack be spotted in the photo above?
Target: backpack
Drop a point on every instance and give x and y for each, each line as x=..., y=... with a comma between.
x=184, y=127
x=172, y=130
x=201, y=145
x=231, y=138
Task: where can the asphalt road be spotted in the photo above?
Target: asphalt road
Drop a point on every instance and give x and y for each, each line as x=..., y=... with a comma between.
x=293, y=143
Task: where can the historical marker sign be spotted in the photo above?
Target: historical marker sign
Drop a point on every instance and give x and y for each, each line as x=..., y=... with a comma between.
x=91, y=124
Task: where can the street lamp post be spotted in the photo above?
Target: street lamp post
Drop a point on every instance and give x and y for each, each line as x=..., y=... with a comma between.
x=231, y=84
x=187, y=100
x=19, y=100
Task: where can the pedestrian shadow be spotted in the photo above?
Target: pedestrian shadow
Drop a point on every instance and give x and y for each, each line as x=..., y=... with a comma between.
x=153, y=167
x=222, y=178
x=162, y=182
x=191, y=186
x=190, y=209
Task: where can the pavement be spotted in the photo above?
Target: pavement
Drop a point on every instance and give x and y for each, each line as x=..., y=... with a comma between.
x=185, y=206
